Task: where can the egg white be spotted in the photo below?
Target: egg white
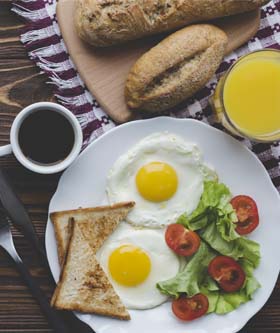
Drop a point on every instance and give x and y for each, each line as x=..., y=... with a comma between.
x=164, y=265
x=183, y=156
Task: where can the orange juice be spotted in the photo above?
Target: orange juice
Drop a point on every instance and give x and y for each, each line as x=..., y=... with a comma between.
x=250, y=96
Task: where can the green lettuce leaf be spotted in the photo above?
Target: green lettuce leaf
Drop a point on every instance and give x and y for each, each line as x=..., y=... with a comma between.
x=214, y=219
x=210, y=289
x=214, y=206
x=189, y=280
x=226, y=227
x=239, y=248
x=250, y=250
x=251, y=284
x=229, y=302
x=222, y=303
x=194, y=279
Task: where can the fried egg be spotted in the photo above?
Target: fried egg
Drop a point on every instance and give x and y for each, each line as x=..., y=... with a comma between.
x=135, y=260
x=163, y=174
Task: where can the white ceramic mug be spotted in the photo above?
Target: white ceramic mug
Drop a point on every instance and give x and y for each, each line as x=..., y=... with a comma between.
x=14, y=147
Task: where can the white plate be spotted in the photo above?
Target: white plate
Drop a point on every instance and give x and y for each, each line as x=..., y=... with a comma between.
x=83, y=184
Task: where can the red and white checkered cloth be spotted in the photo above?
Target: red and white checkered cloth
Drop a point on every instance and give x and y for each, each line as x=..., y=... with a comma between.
x=44, y=43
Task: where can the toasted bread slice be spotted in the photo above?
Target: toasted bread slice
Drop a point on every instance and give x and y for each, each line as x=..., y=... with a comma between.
x=104, y=219
x=83, y=285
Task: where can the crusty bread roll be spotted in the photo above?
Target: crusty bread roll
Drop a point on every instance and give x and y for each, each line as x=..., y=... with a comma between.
x=176, y=68
x=109, y=22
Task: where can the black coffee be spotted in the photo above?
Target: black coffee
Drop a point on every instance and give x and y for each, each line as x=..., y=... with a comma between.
x=46, y=137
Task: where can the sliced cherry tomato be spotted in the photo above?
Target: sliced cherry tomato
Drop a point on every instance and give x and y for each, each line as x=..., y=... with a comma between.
x=247, y=214
x=181, y=240
x=227, y=272
x=190, y=308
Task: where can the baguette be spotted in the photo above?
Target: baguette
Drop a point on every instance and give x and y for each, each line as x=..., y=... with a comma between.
x=175, y=69
x=108, y=22
x=83, y=285
x=104, y=220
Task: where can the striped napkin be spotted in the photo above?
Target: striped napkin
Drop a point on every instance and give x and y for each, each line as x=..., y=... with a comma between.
x=44, y=43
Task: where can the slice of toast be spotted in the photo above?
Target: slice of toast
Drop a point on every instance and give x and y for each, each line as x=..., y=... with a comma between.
x=107, y=218
x=83, y=285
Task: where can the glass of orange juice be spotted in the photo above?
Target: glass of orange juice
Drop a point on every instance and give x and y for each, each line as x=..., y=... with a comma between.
x=247, y=98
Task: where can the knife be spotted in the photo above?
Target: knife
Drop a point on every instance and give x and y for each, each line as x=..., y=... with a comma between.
x=7, y=243
x=20, y=218
x=17, y=213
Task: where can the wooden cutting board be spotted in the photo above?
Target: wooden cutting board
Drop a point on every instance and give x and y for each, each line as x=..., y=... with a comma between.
x=104, y=71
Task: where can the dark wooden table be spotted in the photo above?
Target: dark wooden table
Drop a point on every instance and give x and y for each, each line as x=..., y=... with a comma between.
x=20, y=85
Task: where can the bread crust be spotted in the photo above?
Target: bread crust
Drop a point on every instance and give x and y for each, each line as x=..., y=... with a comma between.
x=86, y=309
x=83, y=285
x=59, y=236
x=128, y=204
x=176, y=68
x=61, y=219
x=61, y=277
x=107, y=22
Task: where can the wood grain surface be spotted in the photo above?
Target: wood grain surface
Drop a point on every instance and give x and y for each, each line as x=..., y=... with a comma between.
x=20, y=85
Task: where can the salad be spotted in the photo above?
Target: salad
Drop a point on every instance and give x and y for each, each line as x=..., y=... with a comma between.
x=218, y=275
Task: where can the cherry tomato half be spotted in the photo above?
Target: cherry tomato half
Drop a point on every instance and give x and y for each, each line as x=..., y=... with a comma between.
x=181, y=240
x=190, y=308
x=247, y=214
x=227, y=272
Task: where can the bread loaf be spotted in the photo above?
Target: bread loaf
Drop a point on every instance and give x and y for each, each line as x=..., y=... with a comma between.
x=176, y=68
x=108, y=22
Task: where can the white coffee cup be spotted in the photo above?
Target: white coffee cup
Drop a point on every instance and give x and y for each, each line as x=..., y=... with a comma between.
x=15, y=148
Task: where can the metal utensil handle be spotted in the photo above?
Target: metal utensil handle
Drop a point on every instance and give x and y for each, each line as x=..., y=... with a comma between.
x=16, y=211
x=52, y=315
x=20, y=218
x=5, y=150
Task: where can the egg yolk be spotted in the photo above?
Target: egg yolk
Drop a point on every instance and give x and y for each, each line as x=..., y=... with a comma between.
x=157, y=181
x=129, y=265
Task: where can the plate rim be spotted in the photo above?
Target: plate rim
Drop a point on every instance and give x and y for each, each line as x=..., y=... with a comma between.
x=151, y=120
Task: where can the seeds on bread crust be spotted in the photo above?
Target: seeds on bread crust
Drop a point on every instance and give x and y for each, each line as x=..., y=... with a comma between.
x=176, y=68
x=108, y=22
